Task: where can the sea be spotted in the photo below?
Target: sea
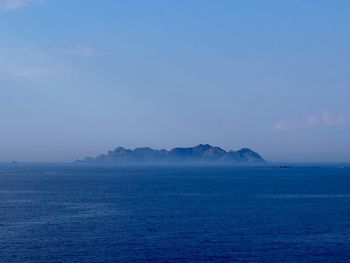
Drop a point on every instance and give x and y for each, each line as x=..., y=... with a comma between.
x=169, y=213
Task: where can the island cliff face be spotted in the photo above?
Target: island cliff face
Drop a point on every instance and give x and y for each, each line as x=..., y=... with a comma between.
x=203, y=153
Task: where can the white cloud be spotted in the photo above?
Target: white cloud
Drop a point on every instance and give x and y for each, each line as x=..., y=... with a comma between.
x=15, y=4
x=26, y=63
x=324, y=118
x=82, y=50
x=31, y=72
x=338, y=119
x=283, y=125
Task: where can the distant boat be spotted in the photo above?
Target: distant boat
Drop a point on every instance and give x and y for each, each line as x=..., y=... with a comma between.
x=285, y=167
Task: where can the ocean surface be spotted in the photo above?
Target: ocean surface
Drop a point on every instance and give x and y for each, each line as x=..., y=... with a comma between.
x=105, y=213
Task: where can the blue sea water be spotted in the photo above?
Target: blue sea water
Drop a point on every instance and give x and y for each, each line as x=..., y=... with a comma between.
x=105, y=213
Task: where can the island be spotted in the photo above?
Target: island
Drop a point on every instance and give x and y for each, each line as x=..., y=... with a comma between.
x=202, y=153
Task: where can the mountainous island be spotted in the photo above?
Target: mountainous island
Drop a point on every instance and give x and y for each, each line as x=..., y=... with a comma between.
x=203, y=153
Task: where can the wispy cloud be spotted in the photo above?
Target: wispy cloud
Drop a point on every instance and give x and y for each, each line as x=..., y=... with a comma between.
x=31, y=72
x=82, y=50
x=24, y=63
x=324, y=118
x=15, y=4
x=28, y=63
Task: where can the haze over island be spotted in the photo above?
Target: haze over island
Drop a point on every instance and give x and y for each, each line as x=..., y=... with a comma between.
x=202, y=153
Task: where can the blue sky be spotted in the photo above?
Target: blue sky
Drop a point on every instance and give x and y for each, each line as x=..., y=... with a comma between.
x=78, y=78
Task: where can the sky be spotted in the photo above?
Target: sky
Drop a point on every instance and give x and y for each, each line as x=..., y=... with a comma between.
x=79, y=78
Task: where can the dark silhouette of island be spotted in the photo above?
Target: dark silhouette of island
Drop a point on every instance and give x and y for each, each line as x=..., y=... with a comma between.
x=203, y=153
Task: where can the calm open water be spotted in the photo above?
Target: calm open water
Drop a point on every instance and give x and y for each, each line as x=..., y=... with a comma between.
x=91, y=213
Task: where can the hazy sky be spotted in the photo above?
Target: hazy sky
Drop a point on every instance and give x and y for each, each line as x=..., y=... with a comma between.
x=78, y=78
